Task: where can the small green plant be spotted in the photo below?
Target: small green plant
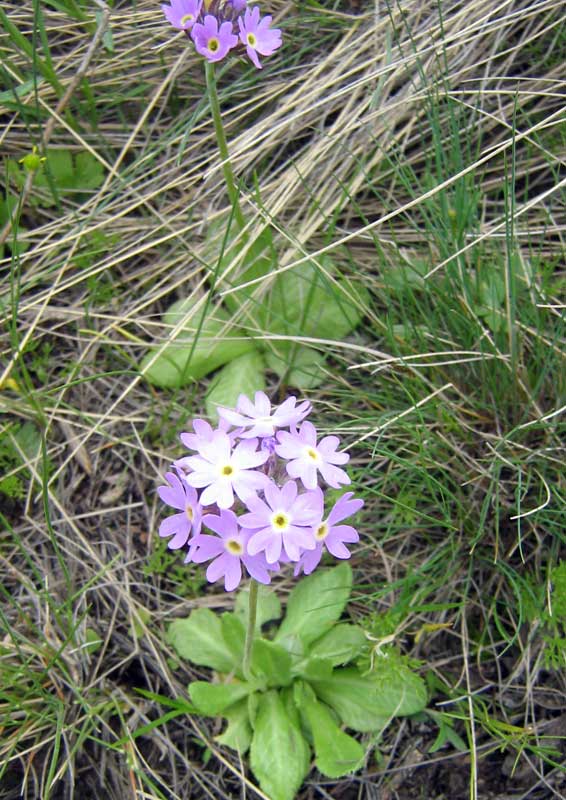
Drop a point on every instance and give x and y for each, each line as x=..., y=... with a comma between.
x=308, y=677
x=18, y=445
x=62, y=173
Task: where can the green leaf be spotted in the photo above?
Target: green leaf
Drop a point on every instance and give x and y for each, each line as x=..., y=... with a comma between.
x=316, y=603
x=271, y=662
x=353, y=698
x=304, y=302
x=340, y=645
x=60, y=164
x=268, y=605
x=238, y=734
x=366, y=702
x=213, y=698
x=244, y=375
x=89, y=173
x=259, y=260
x=315, y=669
x=446, y=733
x=247, y=261
x=301, y=367
x=279, y=755
x=234, y=634
x=195, y=351
x=400, y=689
x=199, y=639
x=337, y=753
x=293, y=644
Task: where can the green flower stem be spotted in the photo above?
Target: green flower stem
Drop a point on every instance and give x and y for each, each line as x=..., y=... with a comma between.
x=222, y=144
x=252, y=614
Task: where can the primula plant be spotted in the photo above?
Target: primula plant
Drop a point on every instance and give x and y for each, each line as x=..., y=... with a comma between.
x=251, y=500
x=315, y=302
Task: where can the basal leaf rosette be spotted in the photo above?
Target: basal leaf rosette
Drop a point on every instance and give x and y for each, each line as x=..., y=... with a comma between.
x=305, y=685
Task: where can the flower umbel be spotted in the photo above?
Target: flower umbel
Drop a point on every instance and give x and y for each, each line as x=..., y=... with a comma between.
x=214, y=26
x=258, y=518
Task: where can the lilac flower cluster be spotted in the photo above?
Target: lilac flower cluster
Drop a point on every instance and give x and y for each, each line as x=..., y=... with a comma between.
x=254, y=483
x=218, y=26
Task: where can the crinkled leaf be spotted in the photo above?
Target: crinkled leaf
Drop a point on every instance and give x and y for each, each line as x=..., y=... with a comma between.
x=238, y=733
x=279, y=754
x=301, y=366
x=399, y=688
x=340, y=645
x=293, y=644
x=199, y=639
x=352, y=696
x=337, y=753
x=196, y=350
x=271, y=662
x=315, y=669
x=244, y=375
x=367, y=702
x=268, y=605
x=317, y=602
x=214, y=698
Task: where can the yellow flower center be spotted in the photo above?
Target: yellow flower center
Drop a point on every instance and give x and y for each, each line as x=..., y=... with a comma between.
x=187, y=18
x=190, y=513
x=213, y=45
x=321, y=532
x=311, y=453
x=234, y=547
x=251, y=40
x=280, y=521
x=227, y=470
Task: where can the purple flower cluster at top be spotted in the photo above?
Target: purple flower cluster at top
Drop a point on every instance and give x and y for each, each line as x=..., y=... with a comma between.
x=218, y=26
x=257, y=483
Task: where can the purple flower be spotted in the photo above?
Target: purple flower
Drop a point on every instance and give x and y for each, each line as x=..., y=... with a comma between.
x=284, y=520
x=224, y=472
x=332, y=536
x=229, y=552
x=258, y=416
x=211, y=41
x=237, y=5
x=306, y=456
x=180, y=526
x=182, y=14
x=256, y=36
